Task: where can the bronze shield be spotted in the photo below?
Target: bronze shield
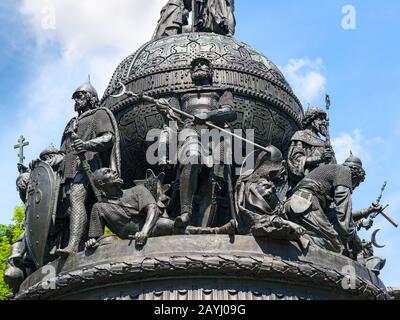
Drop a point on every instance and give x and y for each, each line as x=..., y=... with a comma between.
x=42, y=196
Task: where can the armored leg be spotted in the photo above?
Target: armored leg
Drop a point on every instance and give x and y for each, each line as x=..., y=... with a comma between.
x=78, y=218
x=188, y=186
x=229, y=228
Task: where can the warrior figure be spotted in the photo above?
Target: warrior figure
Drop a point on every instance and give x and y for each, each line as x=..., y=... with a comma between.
x=132, y=214
x=90, y=142
x=215, y=16
x=174, y=16
x=19, y=264
x=259, y=197
x=322, y=204
x=308, y=150
x=206, y=104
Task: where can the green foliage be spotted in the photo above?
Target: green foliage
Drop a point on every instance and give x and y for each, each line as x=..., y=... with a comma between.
x=107, y=231
x=4, y=253
x=8, y=235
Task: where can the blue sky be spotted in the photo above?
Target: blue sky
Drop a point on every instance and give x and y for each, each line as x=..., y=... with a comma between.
x=47, y=48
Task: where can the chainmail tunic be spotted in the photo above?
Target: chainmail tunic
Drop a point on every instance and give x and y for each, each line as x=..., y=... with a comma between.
x=328, y=220
x=88, y=126
x=331, y=176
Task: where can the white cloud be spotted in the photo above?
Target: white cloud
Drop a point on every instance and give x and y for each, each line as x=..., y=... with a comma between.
x=355, y=142
x=90, y=37
x=83, y=27
x=306, y=78
x=347, y=142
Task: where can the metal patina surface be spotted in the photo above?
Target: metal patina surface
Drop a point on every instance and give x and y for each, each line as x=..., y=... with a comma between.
x=263, y=100
x=204, y=267
x=283, y=229
x=42, y=205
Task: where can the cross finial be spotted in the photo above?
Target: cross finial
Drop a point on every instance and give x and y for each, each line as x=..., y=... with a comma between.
x=22, y=143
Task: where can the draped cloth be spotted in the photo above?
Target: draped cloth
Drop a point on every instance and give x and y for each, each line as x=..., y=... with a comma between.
x=305, y=145
x=171, y=19
x=259, y=213
x=219, y=17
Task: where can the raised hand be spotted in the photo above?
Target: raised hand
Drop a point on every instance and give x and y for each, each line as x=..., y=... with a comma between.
x=375, y=208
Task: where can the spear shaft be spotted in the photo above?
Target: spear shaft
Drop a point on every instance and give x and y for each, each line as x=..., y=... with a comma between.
x=208, y=123
x=328, y=107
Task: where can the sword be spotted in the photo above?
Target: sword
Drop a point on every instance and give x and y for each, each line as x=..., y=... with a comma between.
x=378, y=201
x=86, y=168
x=162, y=104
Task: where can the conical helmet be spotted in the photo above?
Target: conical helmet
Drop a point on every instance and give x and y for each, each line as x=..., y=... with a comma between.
x=49, y=151
x=353, y=161
x=86, y=87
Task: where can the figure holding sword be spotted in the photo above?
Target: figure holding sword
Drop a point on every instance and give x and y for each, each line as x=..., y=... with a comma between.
x=90, y=142
x=366, y=218
x=205, y=108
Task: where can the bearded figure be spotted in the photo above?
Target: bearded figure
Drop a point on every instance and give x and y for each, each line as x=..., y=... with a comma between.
x=308, y=149
x=206, y=103
x=90, y=142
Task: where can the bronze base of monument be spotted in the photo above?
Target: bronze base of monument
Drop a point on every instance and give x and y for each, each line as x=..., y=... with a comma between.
x=204, y=268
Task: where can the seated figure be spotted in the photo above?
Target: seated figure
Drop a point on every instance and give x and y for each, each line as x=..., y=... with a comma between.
x=259, y=195
x=133, y=213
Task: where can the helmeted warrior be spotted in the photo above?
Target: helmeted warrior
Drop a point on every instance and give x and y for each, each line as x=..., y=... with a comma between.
x=19, y=263
x=93, y=134
x=308, y=150
x=206, y=104
x=322, y=204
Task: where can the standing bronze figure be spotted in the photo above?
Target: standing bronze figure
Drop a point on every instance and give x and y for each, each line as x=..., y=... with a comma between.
x=174, y=16
x=93, y=132
x=206, y=104
x=215, y=16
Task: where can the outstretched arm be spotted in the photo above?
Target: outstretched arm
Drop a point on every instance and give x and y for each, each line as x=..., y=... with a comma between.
x=365, y=213
x=152, y=216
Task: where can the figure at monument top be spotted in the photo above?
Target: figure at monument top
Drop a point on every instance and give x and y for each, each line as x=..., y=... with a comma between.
x=216, y=16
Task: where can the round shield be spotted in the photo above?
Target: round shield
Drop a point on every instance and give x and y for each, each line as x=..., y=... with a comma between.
x=42, y=198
